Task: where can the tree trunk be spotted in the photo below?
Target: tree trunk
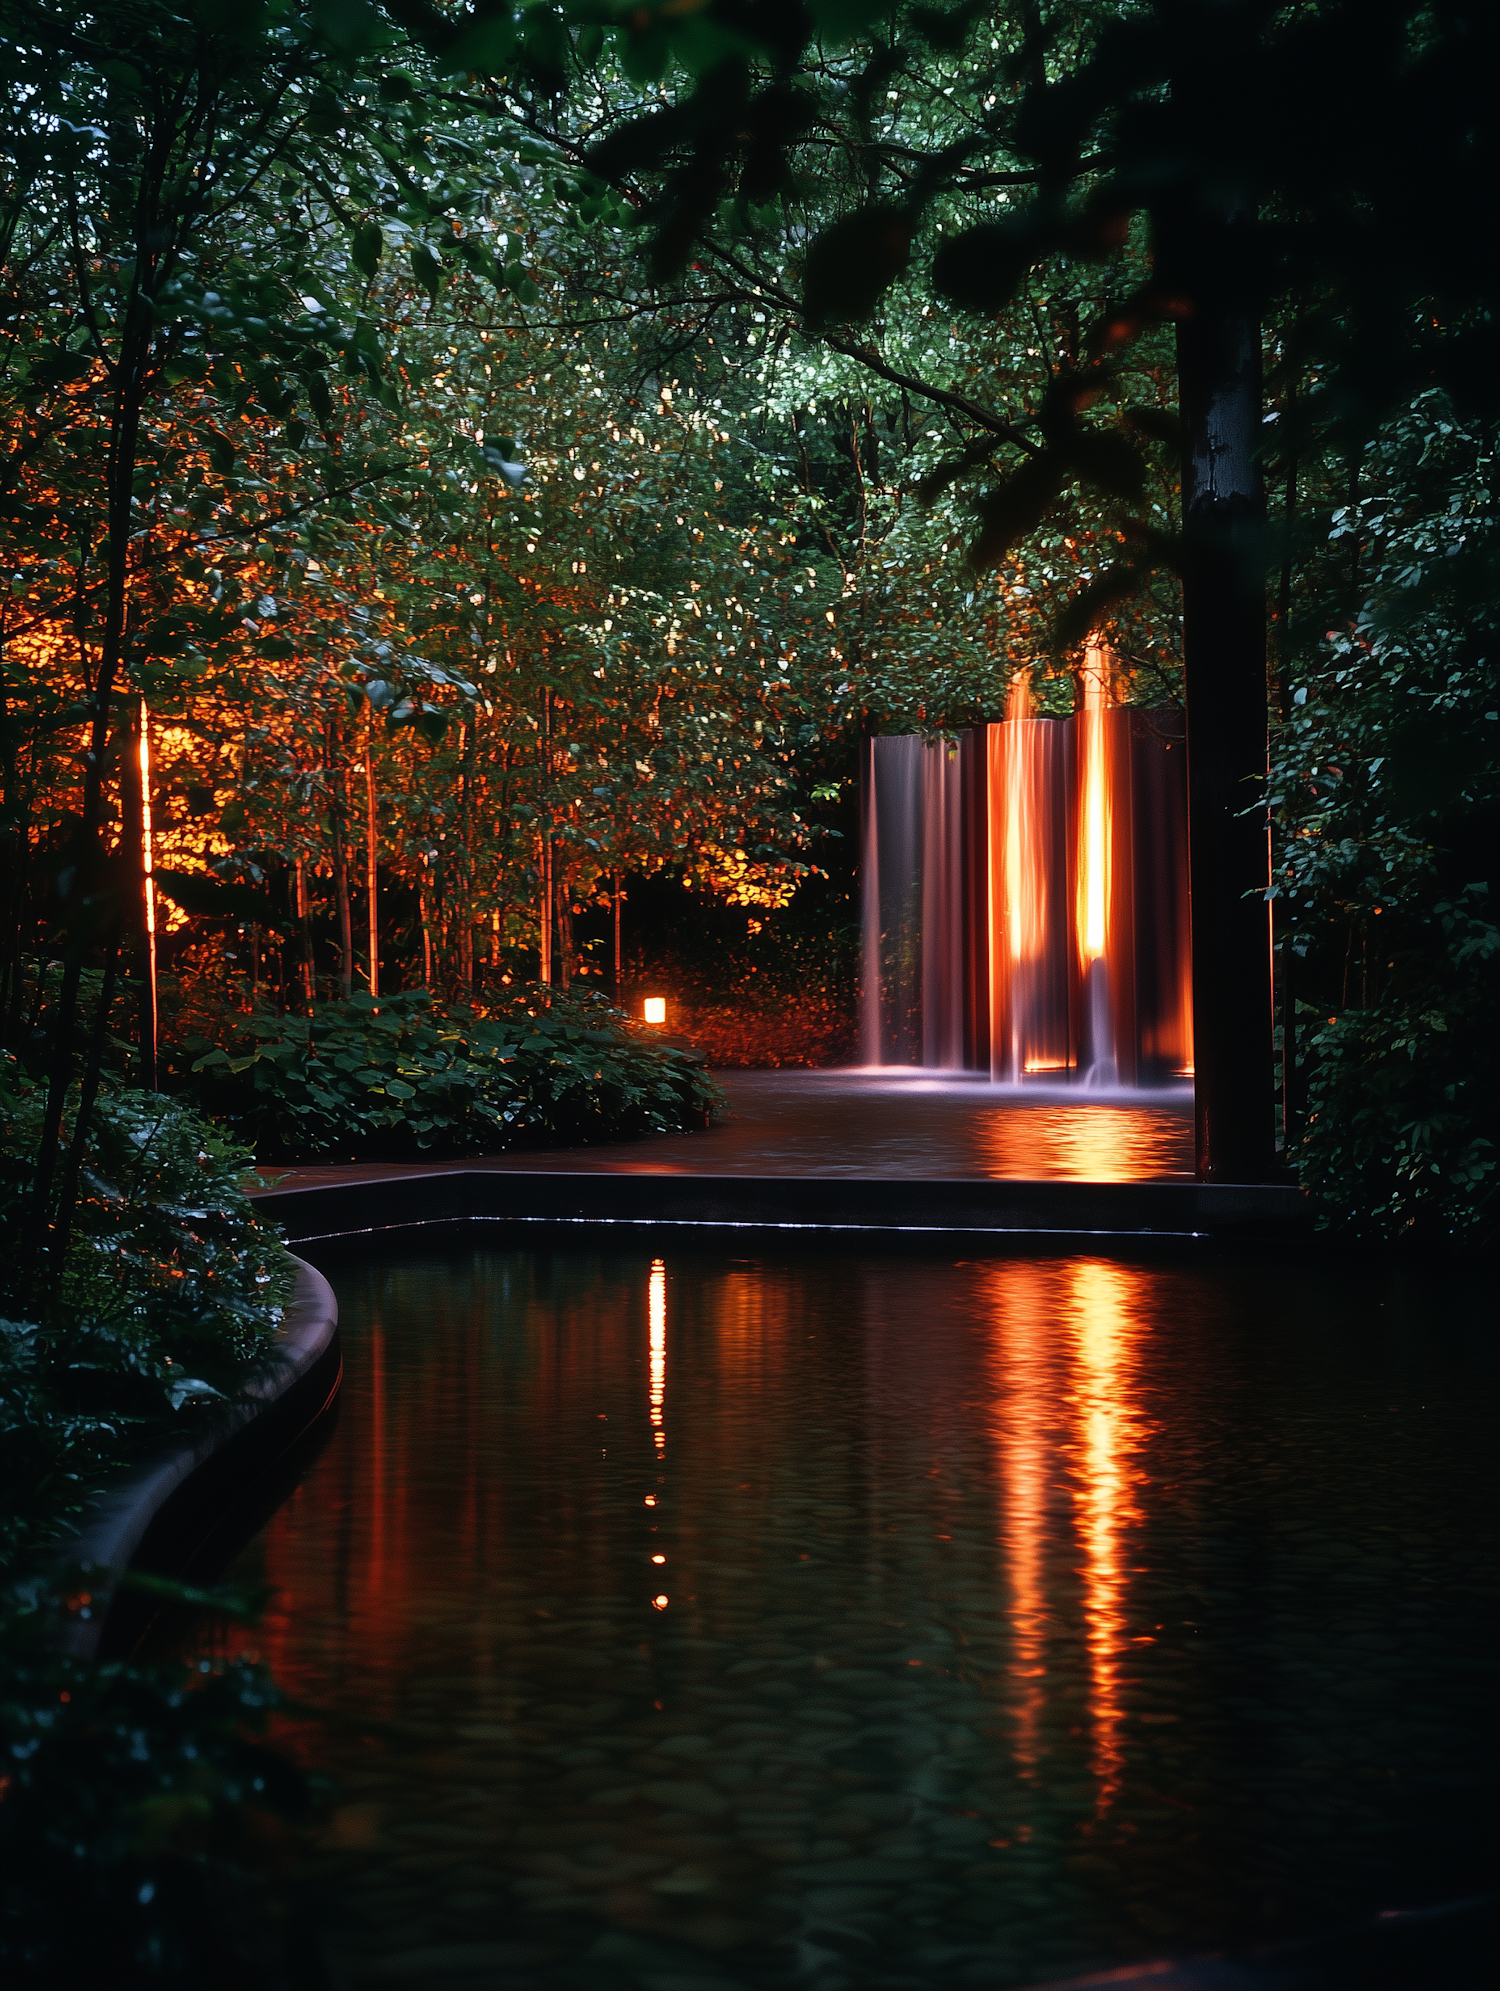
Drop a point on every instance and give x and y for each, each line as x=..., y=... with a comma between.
x=466, y=858
x=339, y=852
x=136, y=866
x=304, y=922
x=85, y=891
x=1203, y=255
x=546, y=963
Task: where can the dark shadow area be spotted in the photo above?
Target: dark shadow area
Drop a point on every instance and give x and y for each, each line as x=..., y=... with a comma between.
x=223, y=1506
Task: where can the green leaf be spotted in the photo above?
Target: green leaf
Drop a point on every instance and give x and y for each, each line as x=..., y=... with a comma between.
x=981, y=268
x=852, y=264
x=365, y=246
x=426, y=268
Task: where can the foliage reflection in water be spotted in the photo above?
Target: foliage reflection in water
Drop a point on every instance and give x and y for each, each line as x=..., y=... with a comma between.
x=880, y=1622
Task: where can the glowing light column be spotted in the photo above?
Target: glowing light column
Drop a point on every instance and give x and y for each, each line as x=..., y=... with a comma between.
x=1095, y=833
x=148, y=873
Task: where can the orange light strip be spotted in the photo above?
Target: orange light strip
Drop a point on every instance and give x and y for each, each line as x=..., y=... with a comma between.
x=147, y=858
x=1094, y=826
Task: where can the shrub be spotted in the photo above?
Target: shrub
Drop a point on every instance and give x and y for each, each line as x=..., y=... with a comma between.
x=135, y=1797
x=401, y=1077
x=132, y=1835
x=170, y=1289
x=1402, y=1093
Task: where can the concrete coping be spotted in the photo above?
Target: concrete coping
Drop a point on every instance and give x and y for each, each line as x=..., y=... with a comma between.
x=113, y=1528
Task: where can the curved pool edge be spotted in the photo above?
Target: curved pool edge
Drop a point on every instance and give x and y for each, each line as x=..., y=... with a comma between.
x=282, y=1400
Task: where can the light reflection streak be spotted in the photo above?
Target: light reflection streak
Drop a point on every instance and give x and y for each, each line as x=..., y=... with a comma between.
x=375, y=1567
x=657, y=1315
x=1022, y=1308
x=1108, y=1431
x=1082, y=1143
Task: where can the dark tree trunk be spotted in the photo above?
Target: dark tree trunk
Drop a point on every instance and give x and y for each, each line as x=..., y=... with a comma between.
x=1224, y=646
x=138, y=912
x=338, y=823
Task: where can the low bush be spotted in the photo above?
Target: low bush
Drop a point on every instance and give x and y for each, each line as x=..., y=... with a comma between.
x=136, y=1799
x=1404, y=1093
x=401, y=1077
x=140, y=1806
x=170, y=1290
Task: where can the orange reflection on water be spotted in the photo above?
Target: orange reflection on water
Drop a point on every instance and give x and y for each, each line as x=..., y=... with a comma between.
x=1022, y=1301
x=657, y=1314
x=1092, y=1143
x=1109, y=1429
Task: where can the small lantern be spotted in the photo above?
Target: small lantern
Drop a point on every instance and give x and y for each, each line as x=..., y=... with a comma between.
x=656, y=1009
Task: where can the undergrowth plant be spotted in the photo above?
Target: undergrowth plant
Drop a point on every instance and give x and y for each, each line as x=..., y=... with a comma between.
x=170, y=1290
x=134, y=1799
x=367, y=1079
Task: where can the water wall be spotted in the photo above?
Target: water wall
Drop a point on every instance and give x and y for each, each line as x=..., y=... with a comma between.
x=924, y=892
x=1025, y=896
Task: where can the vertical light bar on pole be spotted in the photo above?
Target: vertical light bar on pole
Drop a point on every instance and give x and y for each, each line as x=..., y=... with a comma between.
x=371, y=855
x=148, y=872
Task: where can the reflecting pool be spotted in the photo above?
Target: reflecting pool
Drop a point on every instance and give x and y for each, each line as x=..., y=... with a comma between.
x=693, y=1622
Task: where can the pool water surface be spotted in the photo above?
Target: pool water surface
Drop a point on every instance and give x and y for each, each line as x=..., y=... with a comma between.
x=690, y=1622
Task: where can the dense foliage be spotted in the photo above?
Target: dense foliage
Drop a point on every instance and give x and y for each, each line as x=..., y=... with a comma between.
x=139, y=1802
x=513, y=455
x=398, y=1078
x=464, y=468
x=170, y=1289
x=128, y=1841
x=1384, y=783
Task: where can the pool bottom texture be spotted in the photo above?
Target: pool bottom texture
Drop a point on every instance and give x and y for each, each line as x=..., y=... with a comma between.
x=692, y=1622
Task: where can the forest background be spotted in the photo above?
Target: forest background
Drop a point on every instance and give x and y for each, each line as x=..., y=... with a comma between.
x=474, y=471
x=483, y=482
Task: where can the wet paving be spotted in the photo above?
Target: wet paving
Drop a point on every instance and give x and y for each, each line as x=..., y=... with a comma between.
x=698, y=1623
x=885, y=1122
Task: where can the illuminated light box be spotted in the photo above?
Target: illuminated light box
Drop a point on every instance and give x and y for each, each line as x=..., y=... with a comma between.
x=656, y=1009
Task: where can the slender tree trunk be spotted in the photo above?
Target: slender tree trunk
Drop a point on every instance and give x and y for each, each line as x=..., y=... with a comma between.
x=137, y=864
x=1203, y=256
x=372, y=861
x=339, y=852
x=88, y=1093
x=18, y=872
x=548, y=915
x=466, y=859
x=617, y=939
x=304, y=923
x=86, y=888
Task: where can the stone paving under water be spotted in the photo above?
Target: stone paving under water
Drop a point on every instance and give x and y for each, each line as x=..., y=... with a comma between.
x=703, y=1623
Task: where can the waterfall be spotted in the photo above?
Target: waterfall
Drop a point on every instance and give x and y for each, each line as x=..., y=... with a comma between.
x=1025, y=896
x=922, y=880
x=1030, y=807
